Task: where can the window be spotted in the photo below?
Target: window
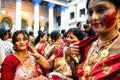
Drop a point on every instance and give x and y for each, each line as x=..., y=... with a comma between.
x=72, y=15
x=58, y=19
x=82, y=12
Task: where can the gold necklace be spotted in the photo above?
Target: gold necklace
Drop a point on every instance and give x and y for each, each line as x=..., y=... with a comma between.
x=107, y=41
x=87, y=67
x=25, y=60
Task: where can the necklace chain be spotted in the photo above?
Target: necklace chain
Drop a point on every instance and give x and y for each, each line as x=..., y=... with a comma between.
x=25, y=60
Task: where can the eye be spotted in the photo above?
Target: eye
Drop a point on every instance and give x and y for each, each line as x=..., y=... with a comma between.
x=100, y=9
x=24, y=39
x=90, y=12
x=17, y=40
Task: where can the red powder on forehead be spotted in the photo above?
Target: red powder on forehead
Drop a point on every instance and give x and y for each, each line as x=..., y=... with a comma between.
x=109, y=19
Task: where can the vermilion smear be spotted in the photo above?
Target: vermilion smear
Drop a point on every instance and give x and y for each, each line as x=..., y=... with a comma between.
x=27, y=44
x=109, y=19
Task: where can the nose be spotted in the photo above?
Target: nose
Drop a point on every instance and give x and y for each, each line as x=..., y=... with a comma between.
x=94, y=16
x=21, y=41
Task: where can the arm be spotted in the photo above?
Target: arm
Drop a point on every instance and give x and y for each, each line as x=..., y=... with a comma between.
x=39, y=58
x=43, y=62
x=69, y=52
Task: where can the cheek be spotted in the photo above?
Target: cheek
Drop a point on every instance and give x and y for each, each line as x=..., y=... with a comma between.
x=109, y=20
x=27, y=43
x=16, y=46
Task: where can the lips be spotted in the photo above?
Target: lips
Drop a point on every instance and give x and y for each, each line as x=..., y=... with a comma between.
x=22, y=45
x=95, y=24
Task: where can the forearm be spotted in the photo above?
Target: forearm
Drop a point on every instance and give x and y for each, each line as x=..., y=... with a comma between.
x=43, y=62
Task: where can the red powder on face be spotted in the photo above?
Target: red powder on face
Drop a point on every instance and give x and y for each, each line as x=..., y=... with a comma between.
x=27, y=44
x=109, y=19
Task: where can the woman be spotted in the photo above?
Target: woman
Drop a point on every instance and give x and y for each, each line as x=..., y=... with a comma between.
x=56, y=56
x=25, y=63
x=40, y=43
x=6, y=46
x=74, y=35
x=100, y=55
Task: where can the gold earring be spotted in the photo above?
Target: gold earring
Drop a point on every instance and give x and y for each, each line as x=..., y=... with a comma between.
x=118, y=24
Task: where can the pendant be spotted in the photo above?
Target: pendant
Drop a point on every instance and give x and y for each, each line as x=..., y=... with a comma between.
x=94, y=56
x=87, y=69
x=104, y=53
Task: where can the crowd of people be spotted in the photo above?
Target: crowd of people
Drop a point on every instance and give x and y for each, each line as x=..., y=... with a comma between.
x=92, y=54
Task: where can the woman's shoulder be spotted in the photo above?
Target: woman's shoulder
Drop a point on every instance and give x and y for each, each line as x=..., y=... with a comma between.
x=11, y=59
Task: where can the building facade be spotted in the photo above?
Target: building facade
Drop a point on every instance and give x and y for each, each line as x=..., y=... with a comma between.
x=47, y=15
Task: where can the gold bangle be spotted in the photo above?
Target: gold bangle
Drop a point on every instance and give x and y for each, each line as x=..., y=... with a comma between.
x=40, y=59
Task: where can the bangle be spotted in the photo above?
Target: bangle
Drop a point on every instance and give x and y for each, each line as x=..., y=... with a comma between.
x=40, y=59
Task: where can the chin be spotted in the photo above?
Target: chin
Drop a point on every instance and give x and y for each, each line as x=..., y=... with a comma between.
x=23, y=48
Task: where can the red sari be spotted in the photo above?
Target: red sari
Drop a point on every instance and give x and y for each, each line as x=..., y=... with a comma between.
x=15, y=70
x=60, y=65
x=106, y=69
x=8, y=72
x=41, y=48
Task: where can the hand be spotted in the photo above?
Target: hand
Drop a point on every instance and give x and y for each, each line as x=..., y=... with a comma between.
x=34, y=53
x=73, y=49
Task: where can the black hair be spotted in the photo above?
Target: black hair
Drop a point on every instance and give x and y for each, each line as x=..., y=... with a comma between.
x=30, y=33
x=40, y=35
x=78, y=33
x=115, y=2
x=63, y=31
x=3, y=32
x=14, y=38
x=55, y=35
x=78, y=23
x=86, y=26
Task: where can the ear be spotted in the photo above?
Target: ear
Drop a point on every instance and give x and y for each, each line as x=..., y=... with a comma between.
x=118, y=13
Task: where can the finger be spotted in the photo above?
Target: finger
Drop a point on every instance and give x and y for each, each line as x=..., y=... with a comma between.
x=76, y=43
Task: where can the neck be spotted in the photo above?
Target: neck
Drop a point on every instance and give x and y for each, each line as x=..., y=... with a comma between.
x=108, y=36
x=22, y=53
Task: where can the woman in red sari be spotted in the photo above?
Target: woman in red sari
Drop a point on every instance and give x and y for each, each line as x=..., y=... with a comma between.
x=40, y=43
x=25, y=63
x=100, y=55
x=57, y=57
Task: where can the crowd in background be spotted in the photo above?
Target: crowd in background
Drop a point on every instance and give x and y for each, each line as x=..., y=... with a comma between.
x=50, y=46
x=75, y=54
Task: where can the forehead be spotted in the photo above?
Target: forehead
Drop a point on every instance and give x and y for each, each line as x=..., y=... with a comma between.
x=94, y=3
x=20, y=35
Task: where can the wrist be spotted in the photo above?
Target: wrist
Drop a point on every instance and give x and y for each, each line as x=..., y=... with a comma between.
x=39, y=59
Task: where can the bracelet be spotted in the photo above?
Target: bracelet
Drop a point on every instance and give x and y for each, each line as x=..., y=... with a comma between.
x=40, y=59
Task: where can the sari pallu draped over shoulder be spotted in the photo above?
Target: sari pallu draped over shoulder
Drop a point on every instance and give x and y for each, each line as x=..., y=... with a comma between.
x=107, y=69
